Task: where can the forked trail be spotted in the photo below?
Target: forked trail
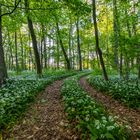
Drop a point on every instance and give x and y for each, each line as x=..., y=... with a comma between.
x=125, y=115
x=46, y=119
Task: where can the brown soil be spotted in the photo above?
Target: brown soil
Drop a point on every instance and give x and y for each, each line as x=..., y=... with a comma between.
x=125, y=115
x=46, y=119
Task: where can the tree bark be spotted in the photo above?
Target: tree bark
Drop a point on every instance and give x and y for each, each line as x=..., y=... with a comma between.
x=16, y=54
x=58, y=53
x=139, y=68
x=45, y=53
x=3, y=69
x=116, y=35
x=62, y=47
x=34, y=41
x=22, y=50
x=44, y=46
x=70, y=44
x=121, y=65
x=78, y=45
x=11, y=60
x=97, y=42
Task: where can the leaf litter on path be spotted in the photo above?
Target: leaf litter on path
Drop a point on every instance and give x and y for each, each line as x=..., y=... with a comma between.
x=45, y=119
x=126, y=116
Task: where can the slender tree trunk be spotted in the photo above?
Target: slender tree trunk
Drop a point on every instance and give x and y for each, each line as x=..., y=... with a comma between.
x=134, y=30
x=70, y=44
x=49, y=52
x=58, y=52
x=121, y=64
x=107, y=35
x=25, y=59
x=127, y=68
x=44, y=46
x=98, y=60
x=88, y=53
x=22, y=57
x=45, y=53
x=11, y=52
x=30, y=62
x=3, y=69
x=73, y=55
x=31, y=56
x=62, y=47
x=53, y=55
x=41, y=52
x=97, y=42
x=34, y=41
x=16, y=54
x=139, y=68
x=116, y=35
x=78, y=45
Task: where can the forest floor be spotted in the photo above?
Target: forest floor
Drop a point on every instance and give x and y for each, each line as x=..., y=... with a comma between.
x=45, y=119
x=125, y=115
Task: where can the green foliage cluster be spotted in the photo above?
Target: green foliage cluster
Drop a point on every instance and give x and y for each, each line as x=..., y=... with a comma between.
x=17, y=94
x=60, y=73
x=15, y=97
x=128, y=91
x=90, y=117
x=46, y=74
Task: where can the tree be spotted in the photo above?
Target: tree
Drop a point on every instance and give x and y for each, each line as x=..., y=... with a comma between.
x=78, y=44
x=62, y=47
x=97, y=41
x=3, y=69
x=116, y=33
x=34, y=41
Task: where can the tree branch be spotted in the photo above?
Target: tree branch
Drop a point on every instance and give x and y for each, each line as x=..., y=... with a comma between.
x=33, y=9
x=15, y=7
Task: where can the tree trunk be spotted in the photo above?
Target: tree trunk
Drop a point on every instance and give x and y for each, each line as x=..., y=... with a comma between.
x=139, y=69
x=121, y=65
x=127, y=68
x=116, y=35
x=97, y=42
x=78, y=45
x=31, y=55
x=45, y=53
x=21, y=46
x=3, y=69
x=58, y=53
x=34, y=41
x=70, y=44
x=88, y=55
x=73, y=55
x=16, y=54
x=49, y=52
x=10, y=52
x=41, y=51
x=135, y=33
x=44, y=46
x=62, y=47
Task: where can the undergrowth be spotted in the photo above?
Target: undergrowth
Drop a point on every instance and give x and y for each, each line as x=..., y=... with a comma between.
x=128, y=91
x=17, y=94
x=88, y=116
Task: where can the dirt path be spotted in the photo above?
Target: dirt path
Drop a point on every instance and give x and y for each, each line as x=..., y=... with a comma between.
x=46, y=119
x=125, y=115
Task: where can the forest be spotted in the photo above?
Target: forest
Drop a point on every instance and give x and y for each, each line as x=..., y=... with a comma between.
x=69, y=69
